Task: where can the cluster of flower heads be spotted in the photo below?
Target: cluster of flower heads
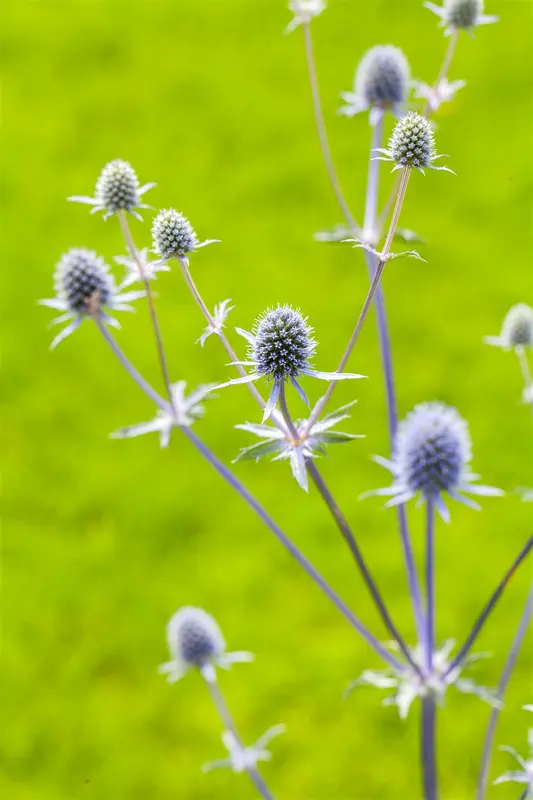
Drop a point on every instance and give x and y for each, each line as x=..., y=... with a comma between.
x=412, y=144
x=381, y=83
x=461, y=14
x=431, y=457
x=524, y=775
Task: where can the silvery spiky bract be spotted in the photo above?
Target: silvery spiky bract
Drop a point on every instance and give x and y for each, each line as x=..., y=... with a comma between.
x=117, y=189
x=139, y=268
x=242, y=758
x=461, y=14
x=412, y=144
x=517, y=329
x=435, y=96
x=278, y=443
x=304, y=11
x=220, y=316
x=186, y=409
x=431, y=457
x=524, y=775
x=84, y=286
x=280, y=349
x=381, y=82
x=408, y=684
x=195, y=640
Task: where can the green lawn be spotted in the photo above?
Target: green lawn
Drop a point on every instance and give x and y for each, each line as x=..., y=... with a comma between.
x=104, y=539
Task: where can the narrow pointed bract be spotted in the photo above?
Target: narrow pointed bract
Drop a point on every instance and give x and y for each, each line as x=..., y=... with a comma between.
x=304, y=11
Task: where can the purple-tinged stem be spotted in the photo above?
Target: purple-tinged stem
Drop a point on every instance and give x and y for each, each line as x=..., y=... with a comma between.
x=430, y=584
x=526, y=372
x=465, y=649
x=429, y=749
x=234, y=482
x=510, y=663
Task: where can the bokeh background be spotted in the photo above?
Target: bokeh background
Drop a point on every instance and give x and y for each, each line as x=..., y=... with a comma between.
x=104, y=539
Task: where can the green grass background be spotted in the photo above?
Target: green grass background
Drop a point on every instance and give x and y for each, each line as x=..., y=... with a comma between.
x=103, y=540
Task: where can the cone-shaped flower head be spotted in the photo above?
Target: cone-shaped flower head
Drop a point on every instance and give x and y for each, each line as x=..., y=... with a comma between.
x=117, y=189
x=281, y=348
x=461, y=14
x=195, y=640
x=517, y=328
x=84, y=286
x=432, y=454
x=173, y=235
x=412, y=144
x=381, y=81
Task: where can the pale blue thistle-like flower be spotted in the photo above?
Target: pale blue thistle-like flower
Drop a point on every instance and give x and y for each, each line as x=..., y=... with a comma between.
x=281, y=348
x=517, y=329
x=242, y=758
x=412, y=145
x=186, y=409
x=117, y=189
x=311, y=442
x=195, y=641
x=84, y=287
x=431, y=457
x=220, y=316
x=173, y=235
x=381, y=83
x=409, y=684
x=457, y=15
x=304, y=11
x=524, y=775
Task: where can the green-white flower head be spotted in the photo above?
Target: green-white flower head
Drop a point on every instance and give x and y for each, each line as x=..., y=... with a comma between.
x=117, y=189
x=381, y=83
x=517, y=329
x=173, y=235
x=412, y=144
x=303, y=12
x=461, y=14
x=85, y=287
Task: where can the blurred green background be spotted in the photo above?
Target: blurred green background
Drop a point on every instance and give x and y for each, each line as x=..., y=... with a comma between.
x=103, y=539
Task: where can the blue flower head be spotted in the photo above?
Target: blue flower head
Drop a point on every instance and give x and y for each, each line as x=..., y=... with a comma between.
x=381, y=83
x=461, y=14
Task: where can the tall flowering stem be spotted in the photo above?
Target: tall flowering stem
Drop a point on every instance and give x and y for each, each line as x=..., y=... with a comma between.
x=429, y=750
x=430, y=583
x=510, y=663
x=526, y=374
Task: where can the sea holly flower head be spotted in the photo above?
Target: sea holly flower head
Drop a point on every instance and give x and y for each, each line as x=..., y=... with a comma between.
x=517, y=329
x=280, y=349
x=85, y=287
x=431, y=457
x=381, y=83
x=173, y=235
x=435, y=96
x=139, y=268
x=461, y=15
x=117, y=189
x=185, y=410
x=311, y=442
x=220, y=316
x=412, y=144
x=195, y=641
x=409, y=684
x=242, y=758
x=524, y=775
x=304, y=11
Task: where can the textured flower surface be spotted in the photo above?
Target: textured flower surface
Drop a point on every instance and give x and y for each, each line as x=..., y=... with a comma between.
x=220, y=316
x=304, y=11
x=381, y=82
x=431, y=456
x=84, y=287
x=280, y=349
x=435, y=96
x=517, y=329
x=312, y=442
x=173, y=235
x=412, y=144
x=242, y=758
x=524, y=775
x=409, y=684
x=186, y=409
x=461, y=14
x=195, y=640
x=140, y=268
x=117, y=189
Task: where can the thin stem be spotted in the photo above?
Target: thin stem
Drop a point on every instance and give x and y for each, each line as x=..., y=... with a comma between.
x=229, y=725
x=320, y=406
x=347, y=534
x=430, y=584
x=526, y=372
x=510, y=663
x=412, y=575
x=371, y=204
x=321, y=130
x=429, y=750
x=463, y=652
x=252, y=502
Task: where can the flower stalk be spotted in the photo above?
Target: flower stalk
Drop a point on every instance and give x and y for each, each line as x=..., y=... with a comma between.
x=429, y=760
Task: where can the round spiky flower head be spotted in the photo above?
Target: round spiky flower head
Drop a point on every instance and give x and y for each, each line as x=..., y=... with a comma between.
x=195, y=640
x=517, y=329
x=84, y=286
x=173, y=235
x=381, y=82
x=117, y=189
x=432, y=454
x=412, y=144
x=461, y=14
x=281, y=348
